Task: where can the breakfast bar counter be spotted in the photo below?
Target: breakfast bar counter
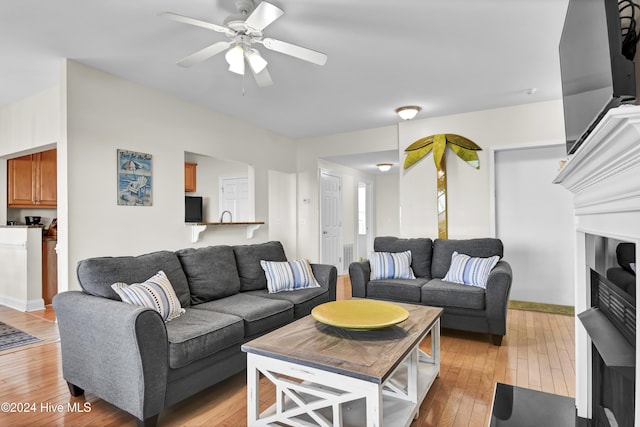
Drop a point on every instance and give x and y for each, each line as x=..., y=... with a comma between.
x=21, y=266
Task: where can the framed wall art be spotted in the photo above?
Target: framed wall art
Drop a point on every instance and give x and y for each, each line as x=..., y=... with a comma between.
x=135, y=185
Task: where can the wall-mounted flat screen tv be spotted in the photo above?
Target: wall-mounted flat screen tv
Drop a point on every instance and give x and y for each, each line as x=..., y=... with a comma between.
x=596, y=76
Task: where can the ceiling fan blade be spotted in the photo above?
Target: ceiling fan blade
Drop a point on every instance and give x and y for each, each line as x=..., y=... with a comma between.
x=196, y=22
x=204, y=54
x=263, y=15
x=263, y=78
x=295, y=51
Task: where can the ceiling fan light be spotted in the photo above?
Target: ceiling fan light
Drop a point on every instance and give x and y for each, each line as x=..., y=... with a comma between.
x=255, y=60
x=235, y=59
x=384, y=167
x=408, y=112
x=237, y=68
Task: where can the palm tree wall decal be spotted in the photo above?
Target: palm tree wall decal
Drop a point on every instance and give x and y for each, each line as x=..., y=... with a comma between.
x=463, y=147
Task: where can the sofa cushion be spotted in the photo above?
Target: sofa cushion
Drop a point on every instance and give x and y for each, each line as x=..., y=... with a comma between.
x=471, y=271
x=447, y=294
x=156, y=292
x=303, y=300
x=200, y=333
x=248, y=259
x=443, y=250
x=421, y=250
x=407, y=290
x=288, y=275
x=391, y=265
x=211, y=272
x=96, y=275
x=259, y=314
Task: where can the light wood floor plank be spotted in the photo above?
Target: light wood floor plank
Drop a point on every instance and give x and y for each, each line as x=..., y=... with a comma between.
x=538, y=352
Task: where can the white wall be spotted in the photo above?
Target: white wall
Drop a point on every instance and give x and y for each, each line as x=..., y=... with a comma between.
x=282, y=210
x=30, y=124
x=386, y=200
x=534, y=220
x=469, y=205
x=105, y=113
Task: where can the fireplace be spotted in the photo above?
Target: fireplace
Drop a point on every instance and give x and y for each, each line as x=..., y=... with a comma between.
x=604, y=177
x=611, y=326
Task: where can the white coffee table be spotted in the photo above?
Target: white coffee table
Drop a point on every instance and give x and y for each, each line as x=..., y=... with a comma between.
x=329, y=376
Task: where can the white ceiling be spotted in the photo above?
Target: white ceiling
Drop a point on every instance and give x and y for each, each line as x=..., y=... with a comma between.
x=448, y=56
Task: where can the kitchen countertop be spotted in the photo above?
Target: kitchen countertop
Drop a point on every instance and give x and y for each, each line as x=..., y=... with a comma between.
x=22, y=226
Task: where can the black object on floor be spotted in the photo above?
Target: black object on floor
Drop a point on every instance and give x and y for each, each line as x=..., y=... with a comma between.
x=522, y=407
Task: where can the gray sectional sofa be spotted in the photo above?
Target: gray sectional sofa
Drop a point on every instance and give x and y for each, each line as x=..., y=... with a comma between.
x=128, y=356
x=468, y=308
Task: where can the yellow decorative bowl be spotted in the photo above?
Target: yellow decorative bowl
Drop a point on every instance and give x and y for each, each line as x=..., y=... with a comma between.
x=359, y=314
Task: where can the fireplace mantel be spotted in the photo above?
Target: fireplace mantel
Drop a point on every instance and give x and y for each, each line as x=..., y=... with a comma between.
x=604, y=173
x=604, y=177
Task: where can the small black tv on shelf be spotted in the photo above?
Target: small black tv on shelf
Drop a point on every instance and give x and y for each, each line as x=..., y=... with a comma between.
x=192, y=209
x=596, y=76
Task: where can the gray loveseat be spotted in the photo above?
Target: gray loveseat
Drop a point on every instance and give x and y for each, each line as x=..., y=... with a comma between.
x=468, y=308
x=128, y=356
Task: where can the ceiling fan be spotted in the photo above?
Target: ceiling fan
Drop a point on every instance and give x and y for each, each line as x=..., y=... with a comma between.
x=243, y=30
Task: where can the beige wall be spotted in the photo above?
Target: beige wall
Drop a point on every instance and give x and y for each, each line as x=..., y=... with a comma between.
x=105, y=113
x=468, y=188
x=97, y=113
x=407, y=207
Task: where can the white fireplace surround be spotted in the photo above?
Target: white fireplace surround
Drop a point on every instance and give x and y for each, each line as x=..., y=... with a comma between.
x=604, y=177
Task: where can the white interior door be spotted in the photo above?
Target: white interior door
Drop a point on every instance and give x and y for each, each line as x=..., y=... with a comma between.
x=234, y=197
x=331, y=219
x=534, y=220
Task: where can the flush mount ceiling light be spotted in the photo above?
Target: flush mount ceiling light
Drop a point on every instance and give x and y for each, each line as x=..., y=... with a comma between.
x=408, y=112
x=384, y=167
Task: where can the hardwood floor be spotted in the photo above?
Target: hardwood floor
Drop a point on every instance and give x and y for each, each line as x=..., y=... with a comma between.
x=537, y=353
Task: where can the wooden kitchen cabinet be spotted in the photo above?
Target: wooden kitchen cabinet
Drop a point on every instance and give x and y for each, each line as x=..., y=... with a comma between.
x=190, y=177
x=32, y=181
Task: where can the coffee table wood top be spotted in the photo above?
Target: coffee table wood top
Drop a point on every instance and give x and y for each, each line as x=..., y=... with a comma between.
x=368, y=355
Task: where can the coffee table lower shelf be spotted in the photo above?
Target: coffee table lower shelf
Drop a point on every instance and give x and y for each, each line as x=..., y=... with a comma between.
x=395, y=411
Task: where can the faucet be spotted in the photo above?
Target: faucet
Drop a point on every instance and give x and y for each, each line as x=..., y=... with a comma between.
x=222, y=216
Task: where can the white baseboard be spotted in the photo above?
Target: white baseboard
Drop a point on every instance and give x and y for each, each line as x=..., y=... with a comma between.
x=22, y=305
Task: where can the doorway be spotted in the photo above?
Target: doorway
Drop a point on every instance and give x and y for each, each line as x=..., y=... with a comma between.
x=331, y=219
x=234, y=197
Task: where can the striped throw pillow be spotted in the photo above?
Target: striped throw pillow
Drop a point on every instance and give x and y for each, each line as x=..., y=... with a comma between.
x=156, y=293
x=391, y=265
x=288, y=275
x=467, y=270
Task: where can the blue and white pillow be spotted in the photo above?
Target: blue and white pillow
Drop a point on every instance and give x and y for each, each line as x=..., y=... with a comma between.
x=288, y=275
x=391, y=265
x=156, y=293
x=468, y=270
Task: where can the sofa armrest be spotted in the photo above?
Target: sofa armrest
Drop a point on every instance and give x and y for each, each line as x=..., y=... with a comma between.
x=497, y=297
x=359, y=274
x=117, y=351
x=327, y=277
